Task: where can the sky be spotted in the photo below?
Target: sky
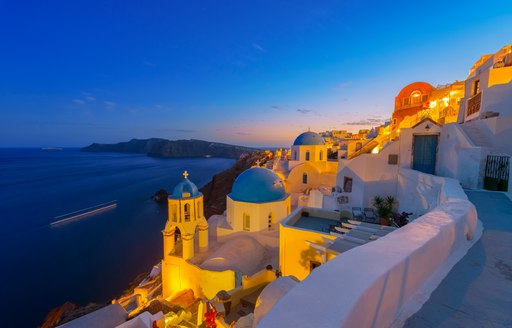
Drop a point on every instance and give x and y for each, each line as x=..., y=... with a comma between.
x=255, y=73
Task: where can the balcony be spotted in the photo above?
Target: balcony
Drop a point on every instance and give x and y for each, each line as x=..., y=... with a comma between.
x=474, y=104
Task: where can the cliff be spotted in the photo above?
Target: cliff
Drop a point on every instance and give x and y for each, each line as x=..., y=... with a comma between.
x=215, y=191
x=172, y=148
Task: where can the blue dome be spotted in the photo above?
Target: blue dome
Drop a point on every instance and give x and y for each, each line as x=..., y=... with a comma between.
x=309, y=139
x=185, y=187
x=258, y=185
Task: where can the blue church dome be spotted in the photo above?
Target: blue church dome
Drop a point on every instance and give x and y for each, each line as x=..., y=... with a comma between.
x=258, y=185
x=185, y=189
x=308, y=139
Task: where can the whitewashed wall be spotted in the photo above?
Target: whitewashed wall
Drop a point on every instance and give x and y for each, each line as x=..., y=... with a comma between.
x=382, y=283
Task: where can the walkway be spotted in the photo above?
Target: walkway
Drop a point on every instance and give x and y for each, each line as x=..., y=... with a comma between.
x=478, y=290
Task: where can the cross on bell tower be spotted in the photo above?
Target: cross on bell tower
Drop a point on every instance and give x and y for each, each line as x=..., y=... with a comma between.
x=185, y=175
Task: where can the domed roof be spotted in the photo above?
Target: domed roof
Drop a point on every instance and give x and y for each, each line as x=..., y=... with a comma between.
x=185, y=189
x=258, y=185
x=309, y=138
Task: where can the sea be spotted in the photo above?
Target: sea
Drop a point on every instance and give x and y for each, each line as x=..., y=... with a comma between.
x=94, y=258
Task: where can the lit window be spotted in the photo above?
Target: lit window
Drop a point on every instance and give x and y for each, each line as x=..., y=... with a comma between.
x=416, y=97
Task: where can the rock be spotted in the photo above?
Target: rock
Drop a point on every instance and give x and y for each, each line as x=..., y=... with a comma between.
x=216, y=190
x=172, y=148
x=160, y=196
x=56, y=315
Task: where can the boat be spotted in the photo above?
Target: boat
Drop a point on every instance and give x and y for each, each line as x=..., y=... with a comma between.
x=77, y=215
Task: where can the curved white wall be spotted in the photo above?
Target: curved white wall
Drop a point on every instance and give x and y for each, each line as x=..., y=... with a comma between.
x=383, y=282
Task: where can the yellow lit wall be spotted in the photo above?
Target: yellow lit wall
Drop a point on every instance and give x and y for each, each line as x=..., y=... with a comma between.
x=295, y=253
x=178, y=275
x=502, y=75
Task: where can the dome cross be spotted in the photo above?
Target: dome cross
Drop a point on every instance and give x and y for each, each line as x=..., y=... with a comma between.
x=185, y=175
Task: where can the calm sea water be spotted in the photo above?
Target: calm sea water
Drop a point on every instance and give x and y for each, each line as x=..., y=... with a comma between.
x=93, y=259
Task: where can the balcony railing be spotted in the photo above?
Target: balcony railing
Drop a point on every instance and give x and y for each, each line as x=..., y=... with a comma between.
x=474, y=104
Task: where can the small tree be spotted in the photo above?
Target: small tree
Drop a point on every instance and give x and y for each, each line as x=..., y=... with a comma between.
x=384, y=207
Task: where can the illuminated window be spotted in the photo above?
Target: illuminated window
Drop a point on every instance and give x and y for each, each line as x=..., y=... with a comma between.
x=416, y=97
x=305, y=178
x=247, y=222
x=186, y=210
x=307, y=156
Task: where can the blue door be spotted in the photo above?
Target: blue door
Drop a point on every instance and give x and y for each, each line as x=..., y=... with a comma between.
x=424, y=153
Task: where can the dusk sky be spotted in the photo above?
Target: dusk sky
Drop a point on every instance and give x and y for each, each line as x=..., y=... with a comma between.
x=253, y=73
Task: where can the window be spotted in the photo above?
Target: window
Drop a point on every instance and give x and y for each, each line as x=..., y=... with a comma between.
x=347, y=184
x=394, y=121
x=416, y=97
x=424, y=98
x=405, y=102
x=294, y=155
x=186, y=210
x=359, y=145
x=393, y=159
x=313, y=265
x=476, y=87
x=321, y=155
x=307, y=155
x=247, y=222
x=305, y=178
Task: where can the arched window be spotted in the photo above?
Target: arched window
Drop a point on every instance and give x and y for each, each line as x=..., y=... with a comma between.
x=247, y=222
x=307, y=155
x=186, y=210
x=416, y=97
x=321, y=155
x=305, y=178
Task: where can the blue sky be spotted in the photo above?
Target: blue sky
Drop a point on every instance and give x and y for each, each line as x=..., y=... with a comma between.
x=245, y=72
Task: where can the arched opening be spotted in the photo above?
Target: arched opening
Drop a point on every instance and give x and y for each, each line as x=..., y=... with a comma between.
x=186, y=212
x=304, y=178
x=247, y=222
x=321, y=155
x=416, y=97
x=307, y=155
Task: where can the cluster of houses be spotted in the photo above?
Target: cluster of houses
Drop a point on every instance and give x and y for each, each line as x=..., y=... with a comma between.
x=285, y=223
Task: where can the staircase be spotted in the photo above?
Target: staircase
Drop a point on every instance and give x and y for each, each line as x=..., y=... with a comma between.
x=479, y=138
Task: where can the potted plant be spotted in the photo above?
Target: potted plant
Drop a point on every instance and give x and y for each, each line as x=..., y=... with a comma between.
x=384, y=208
x=401, y=219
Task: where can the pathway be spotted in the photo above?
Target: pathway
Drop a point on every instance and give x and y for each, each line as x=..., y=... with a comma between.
x=478, y=290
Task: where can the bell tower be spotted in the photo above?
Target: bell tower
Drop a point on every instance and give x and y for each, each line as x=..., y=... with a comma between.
x=186, y=213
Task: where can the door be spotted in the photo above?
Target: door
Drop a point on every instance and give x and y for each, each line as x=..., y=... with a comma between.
x=424, y=153
x=496, y=173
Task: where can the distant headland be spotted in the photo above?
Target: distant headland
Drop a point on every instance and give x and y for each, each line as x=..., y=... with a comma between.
x=157, y=147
